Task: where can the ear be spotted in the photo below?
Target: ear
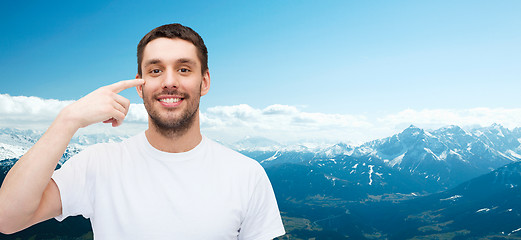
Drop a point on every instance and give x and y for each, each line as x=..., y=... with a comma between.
x=139, y=88
x=205, y=85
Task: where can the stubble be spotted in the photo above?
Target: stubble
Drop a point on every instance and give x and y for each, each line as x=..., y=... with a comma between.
x=167, y=124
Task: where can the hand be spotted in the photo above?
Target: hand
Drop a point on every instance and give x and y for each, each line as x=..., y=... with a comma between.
x=102, y=105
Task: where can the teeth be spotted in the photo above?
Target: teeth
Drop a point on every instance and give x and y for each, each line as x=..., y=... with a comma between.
x=170, y=100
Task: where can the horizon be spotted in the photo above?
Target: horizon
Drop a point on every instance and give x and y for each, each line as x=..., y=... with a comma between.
x=313, y=144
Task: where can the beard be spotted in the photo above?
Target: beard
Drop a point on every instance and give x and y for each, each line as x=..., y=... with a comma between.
x=172, y=123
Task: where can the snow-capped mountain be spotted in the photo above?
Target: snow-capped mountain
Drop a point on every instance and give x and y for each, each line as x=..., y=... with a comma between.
x=448, y=155
x=336, y=150
x=414, y=160
x=256, y=144
x=14, y=142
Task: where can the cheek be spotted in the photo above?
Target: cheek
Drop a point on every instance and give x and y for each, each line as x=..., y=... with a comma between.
x=149, y=86
x=145, y=91
x=194, y=85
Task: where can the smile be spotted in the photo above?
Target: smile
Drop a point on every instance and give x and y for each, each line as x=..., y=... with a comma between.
x=170, y=100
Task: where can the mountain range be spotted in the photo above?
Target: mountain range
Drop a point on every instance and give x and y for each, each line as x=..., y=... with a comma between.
x=447, y=183
x=396, y=187
x=428, y=161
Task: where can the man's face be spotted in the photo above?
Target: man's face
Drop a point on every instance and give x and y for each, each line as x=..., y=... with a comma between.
x=173, y=83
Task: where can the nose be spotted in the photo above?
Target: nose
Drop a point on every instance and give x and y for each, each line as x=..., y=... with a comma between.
x=170, y=80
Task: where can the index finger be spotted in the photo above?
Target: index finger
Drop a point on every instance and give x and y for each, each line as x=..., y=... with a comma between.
x=122, y=85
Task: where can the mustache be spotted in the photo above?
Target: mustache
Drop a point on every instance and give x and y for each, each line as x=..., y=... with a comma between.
x=171, y=92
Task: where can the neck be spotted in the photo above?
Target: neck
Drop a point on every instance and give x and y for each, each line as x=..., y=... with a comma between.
x=174, y=141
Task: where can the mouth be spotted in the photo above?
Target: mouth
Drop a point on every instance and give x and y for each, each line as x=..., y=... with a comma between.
x=170, y=101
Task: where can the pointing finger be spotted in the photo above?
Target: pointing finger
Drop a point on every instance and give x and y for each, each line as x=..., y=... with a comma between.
x=122, y=85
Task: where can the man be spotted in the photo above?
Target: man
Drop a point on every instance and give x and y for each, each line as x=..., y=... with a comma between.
x=169, y=182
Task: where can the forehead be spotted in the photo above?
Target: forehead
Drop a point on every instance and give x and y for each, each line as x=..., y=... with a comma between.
x=170, y=50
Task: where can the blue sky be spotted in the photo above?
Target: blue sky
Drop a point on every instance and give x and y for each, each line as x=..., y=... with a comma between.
x=364, y=58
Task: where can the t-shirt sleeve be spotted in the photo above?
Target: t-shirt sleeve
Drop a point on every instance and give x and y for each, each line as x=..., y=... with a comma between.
x=73, y=183
x=262, y=220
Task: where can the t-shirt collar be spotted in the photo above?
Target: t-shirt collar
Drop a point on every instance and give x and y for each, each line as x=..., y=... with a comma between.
x=151, y=151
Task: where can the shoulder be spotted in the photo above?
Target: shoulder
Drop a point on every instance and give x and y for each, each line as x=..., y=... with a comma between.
x=98, y=151
x=230, y=154
x=231, y=157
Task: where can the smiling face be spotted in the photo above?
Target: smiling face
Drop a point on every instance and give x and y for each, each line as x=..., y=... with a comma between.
x=173, y=84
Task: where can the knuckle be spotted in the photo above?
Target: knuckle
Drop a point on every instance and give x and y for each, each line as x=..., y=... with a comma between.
x=107, y=109
x=126, y=102
x=120, y=116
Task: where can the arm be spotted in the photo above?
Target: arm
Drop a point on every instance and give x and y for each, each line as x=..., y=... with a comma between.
x=28, y=194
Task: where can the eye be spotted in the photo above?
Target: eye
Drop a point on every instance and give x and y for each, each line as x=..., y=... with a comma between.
x=155, y=71
x=184, y=70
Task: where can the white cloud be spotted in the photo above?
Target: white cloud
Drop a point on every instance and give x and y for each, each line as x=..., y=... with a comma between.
x=289, y=124
x=34, y=109
x=137, y=113
x=35, y=112
x=282, y=123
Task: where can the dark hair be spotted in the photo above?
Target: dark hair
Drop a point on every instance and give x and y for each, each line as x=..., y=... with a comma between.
x=174, y=31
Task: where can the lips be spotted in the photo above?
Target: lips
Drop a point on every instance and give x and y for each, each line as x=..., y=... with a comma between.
x=170, y=101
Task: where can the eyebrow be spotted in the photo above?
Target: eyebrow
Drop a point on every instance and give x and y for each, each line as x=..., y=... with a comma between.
x=178, y=61
x=186, y=61
x=151, y=62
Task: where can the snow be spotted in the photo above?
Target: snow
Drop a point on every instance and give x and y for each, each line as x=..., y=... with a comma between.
x=365, y=150
x=483, y=210
x=498, y=128
x=443, y=155
x=396, y=160
x=8, y=151
x=514, y=154
x=331, y=178
x=333, y=160
x=506, y=156
x=355, y=166
x=275, y=156
x=371, y=174
x=451, y=198
x=453, y=152
x=434, y=155
x=294, y=148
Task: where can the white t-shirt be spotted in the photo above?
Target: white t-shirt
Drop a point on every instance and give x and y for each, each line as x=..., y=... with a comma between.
x=130, y=190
